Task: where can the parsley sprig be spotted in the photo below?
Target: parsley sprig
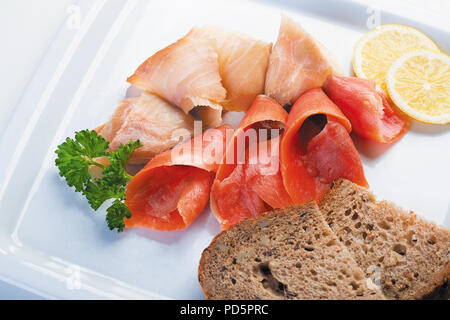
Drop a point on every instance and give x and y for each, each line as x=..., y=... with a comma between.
x=75, y=156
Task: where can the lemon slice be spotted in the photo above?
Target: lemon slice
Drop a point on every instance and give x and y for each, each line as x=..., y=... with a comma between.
x=419, y=84
x=375, y=52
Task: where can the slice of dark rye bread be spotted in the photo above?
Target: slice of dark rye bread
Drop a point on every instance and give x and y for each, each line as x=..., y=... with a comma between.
x=410, y=254
x=284, y=254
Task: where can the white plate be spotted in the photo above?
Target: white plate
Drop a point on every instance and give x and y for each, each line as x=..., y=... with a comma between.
x=52, y=243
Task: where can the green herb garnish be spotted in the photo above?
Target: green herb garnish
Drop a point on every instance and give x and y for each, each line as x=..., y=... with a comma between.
x=75, y=156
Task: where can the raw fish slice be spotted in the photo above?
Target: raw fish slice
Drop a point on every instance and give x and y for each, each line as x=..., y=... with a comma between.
x=243, y=64
x=331, y=155
x=187, y=75
x=248, y=187
x=156, y=123
x=368, y=110
x=109, y=129
x=171, y=198
x=173, y=189
x=269, y=187
x=298, y=63
x=317, y=149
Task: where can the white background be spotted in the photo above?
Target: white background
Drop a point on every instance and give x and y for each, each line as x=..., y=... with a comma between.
x=27, y=29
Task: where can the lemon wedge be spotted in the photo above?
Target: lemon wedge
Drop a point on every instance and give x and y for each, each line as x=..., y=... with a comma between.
x=419, y=84
x=375, y=52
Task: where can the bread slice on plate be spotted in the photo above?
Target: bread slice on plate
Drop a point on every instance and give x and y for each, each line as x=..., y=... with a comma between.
x=285, y=254
x=408, y=254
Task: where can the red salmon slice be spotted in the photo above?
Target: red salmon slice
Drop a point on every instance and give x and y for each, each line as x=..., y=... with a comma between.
x=248, y=187
x=187, y=75
x=314, y=155
x=264, y=179
x=368, y=110
x=155, y=122
x=173, y=189
x=243, y=64
x=298, y=63
x=232, y=199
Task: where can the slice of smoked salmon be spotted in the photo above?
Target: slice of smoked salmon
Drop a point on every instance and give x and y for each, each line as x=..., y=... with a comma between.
x=298, y=63
x=368, y=110
x=316, y=148
x=243, y=64
x=263, y=175
x=249, y=182
x=171, y=191
x=187, y=75
x=155, y=122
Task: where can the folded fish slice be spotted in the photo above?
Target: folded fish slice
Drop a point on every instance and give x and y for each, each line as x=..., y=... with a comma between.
x=298, y=63
x=173, y=189
x=243, y=64
x=187, y=75
x=109, y=129
x=368, y=110
x=264, y=176
x=155, y=122
x=314, y=155
x=248, y=187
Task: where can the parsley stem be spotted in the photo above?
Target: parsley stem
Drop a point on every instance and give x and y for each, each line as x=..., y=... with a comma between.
x=129, y=176
x=92, y=162
x=101, y=166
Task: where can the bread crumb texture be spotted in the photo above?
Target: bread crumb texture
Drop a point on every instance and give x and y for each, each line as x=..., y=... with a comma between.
x=406, y=254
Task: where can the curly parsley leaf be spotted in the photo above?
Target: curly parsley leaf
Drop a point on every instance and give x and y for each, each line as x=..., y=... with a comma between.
x=98, y=191
x=75, y=156
x=116, y=214
x=115, y=173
